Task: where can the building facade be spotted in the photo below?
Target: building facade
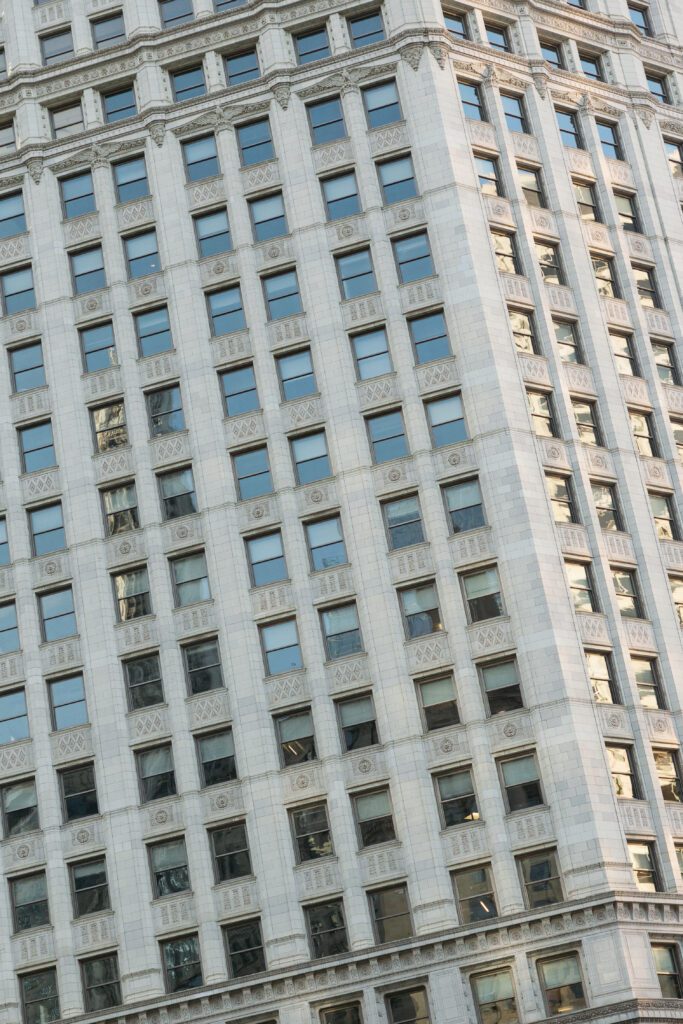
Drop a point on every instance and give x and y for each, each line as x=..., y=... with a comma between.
x=341, y=583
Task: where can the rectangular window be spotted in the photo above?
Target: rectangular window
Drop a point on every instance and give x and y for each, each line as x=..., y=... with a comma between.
x=668, y=773
x=464, y=505
x=521, y=782
x=326, y=547
x=242, y=67
x=37, y=447
x=606, y=506
x=561, y=494
x=27, y=367
x=87, y=270
x=4, y=543
x=239, y=390
x=255, y=142
x=143, y=681
x=646, y=287
x=213, y=233
x=155, y=773
x=624, y=354
x=252, y=473
x=403, y=521
x=627, y=211
x=20, y=808
x=281, y=292
x=17, y=290
x=497, y=37
x=296, y=375
x=165, y=411
x=567, y=338
x=446, y=420
x=622, y=770
x=626, y=590
x=313, y=45
x=175, y=12
x=340, y=195
x=244, y=947
x=202, y=663
x=472, y=101
x=386, y=435
x=142, y=254
x=488, y=173
x=501, y=686
x=78, y=195
x=568, y=125
x=326, y=928
x=12, y=215
x=494, y=995
x=609, y=140
x=98, y=347
x=89, y=887
x=230, y=850
x=119, y=104
x=13, y=717
x=120, y=509
x=130, y=179
x=548, y=255
x=356, y=274
x=3, y=65
x=390, y=913
x=374, y=818
x=397, y=179
x=182, y=963
x=674, y=152
x=584, y=193
x=109, y=426
x=101, y=985
x=79, y=796
x=366, y=29
x=658, y=87
x=226, y=313
x=268, y=218
x=580, y=581
x=382, y=106
x=668, y=971
x=201, y=158
x=177, y=493
x=39, y=996
x=131, y=592
x=562, y=984
x=643, y=433
x=420, y=610
x=8, y=142
x=591, y=65
x=326, y=121
x=188, y=83
x=190, y=579
x=540, y=878
x=456, y=25
x=357, y=722
x=109, y=31
x=170, y=872
x=281, y=648
x=644, y=864
x=310, y=457
x=311, y=831
x=505, y=250
x=482, y=594
x=648, y=682
x=531, y=185
x=57, y=46
x=601, y=675
x=216, y=754
x=552, y=52
x=586, y=416
x=475, y=894
x=341, y=631
x=640, y=18
x=457, y=799
x=57, y=615
x=413, y=258
x=665, y=359
x=296, y=738
x=430, y=337
x=438, y=702
x=408, y=1007
x=515, y=114
x=266, y=559
x=47, y=529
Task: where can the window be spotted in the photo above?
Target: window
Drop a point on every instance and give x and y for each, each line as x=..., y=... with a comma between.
x=13, y=717
x=585, y=414
x=281, y=650
x=390, y=912
x=313, y=45
x=501, y=686
x=119, y=104
x=182, y=963
x=190, y=579
x=131, y=590
x=155, y=773
x=109, y=425
x=606, y=506
x=244, y=947
x=624, y=354
x=495, y=997
x=521, y=783
x=658, y=86
x=79, y=796
x=561, y=494
x=296, y=375
x=188, y=83
x=58, y=618
x=456, y=25
x=326, y=120
x=37, y=447
x=474, y=893
x=430, y=337
x=282, y=295
x=356, y=274
x=668, y=971
x=266, y=559
x=386, y=434
x=373, y=817
x=584, y=193
x=646, y=287
x=201, y=158
x=413, y=258
x=403, y=521
x=28, y=370
x=438, y=702
x=446, y=420
x=548, y=255
x=540, y=878
x=39, y=997
x=627, y=211
x=472, y=101
x=488, y=172
x=668, y=774
x=268, y=217
x=340, y=194
x=382, y=105
x=17, y=290
x=252, y=473
x=664, y=356
x=566, y=336
x=568, y=125
x=420, y=610
x=203, y=666
x=47, y=529
x=622, y=770
x=120, y=509
x=505, y=250
x=213, y=233
x=647, y=681
x=515, y=115
x=296, y=738
x=482, y=594
x=643, y=432
x=464, y=506
x=255, y=142
x=109, y=31
x=408, y=1007
x=4, y=544
x=457, y=799
x=674, y=152
x=341, y=631
x=310, y=458
x=101, y=985
x=552, y=52
x=216, y=753
x=397, y=179
x=12, y=215
x=225, y=311
x=664, y=516
x=89, y=887
x=87, y=270
x=609, y=140
x=677, y=430
x=641, y=19
x=3, y=65
x=177, y=493
x=311, y=831
x=346, y=1014
x=531, y=185
x=239, y=390
x=175, y=12
x=581, y=586
x=591, y=65
x=78, y=195
x=326, y=928
x=562, y=985
x=98, y=347
x=142, y=254
x=602, y=678
x=29, y=896
x=130, y=179
x=143, y=681
x=357, y=723
x=326, y=547
x=66, y=121
x=165, y=410
x=57, y=46
x=366, y=29
x=497, y=37
x=242, y=67
x=20, y=808
x=230, y=850
x=644, y=864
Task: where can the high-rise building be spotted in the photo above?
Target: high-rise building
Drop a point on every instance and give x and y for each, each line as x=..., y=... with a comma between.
x=341, y=582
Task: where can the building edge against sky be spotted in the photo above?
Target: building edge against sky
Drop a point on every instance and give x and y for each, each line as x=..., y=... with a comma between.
x=341, y=563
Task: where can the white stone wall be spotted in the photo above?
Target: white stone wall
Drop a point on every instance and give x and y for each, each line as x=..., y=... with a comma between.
x=560, y=721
